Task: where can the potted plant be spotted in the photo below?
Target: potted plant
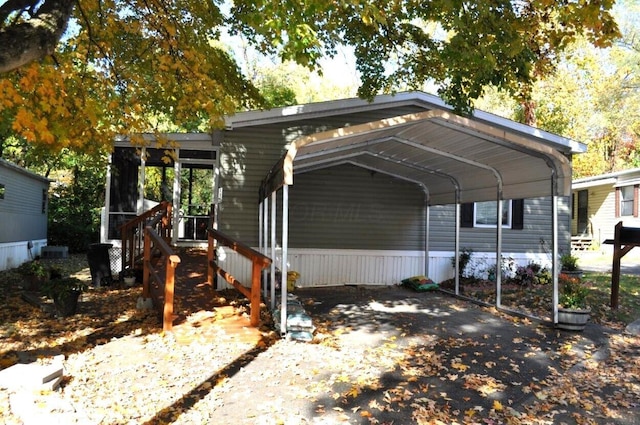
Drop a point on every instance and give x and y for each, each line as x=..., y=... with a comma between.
x=569, y=265
x=64, y=291
x=573, y=311
x=129, y=277
x=34, y=274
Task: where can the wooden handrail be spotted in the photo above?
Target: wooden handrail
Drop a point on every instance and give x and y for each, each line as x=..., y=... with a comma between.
x=154, y=242
x=258, y=260
x=132, y=232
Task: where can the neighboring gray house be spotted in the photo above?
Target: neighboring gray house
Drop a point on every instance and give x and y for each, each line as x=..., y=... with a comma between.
x=23, y=214
x=600, y=202
x=365, y=208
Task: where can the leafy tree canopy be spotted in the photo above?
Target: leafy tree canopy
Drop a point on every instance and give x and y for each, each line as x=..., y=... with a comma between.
x=77, y=73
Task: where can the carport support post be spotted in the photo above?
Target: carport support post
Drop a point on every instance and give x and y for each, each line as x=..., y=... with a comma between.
x=499, y=252
x=426, y=241
x=264, y=239
x=456, y=247
x=283, y=268
x=273, y=250
x=554, y=250
x=260, y=242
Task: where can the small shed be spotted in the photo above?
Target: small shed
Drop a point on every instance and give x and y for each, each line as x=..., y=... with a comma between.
x=23, y=214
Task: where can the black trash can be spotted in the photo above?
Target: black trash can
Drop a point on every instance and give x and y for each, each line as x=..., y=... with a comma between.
x=100, y=264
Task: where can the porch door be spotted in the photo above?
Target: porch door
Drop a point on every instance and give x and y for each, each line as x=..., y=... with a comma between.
x=583, y=213
x=198, y=182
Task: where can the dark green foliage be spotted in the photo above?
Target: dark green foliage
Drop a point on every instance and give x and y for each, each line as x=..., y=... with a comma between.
x=569, y=262
x=463, y=260
x=74, y=210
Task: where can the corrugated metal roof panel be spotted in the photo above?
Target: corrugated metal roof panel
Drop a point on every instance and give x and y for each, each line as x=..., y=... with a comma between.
x=478, y=159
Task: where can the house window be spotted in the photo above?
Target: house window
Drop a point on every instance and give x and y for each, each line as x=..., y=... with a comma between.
x=44, y=201
x=1, y=191
x=483, y=214
x=627, y=198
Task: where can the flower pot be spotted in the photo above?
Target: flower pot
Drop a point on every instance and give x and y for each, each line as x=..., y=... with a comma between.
x=573, y=273
x=573, y=319
x=66, y=303
x=129, y=281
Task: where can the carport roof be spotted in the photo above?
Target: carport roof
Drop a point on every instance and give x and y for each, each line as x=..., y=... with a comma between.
x=454, y=158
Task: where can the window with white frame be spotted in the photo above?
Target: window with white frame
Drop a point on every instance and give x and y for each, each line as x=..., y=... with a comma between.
x=627, y=197
x=485, y=214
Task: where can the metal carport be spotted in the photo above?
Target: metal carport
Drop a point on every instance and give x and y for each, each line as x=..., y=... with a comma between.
x=454, y=159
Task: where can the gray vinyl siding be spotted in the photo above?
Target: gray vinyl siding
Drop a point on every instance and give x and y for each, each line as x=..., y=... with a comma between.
x=248, y=153
x=348, y=207
x=21, y=216
x=535, y=237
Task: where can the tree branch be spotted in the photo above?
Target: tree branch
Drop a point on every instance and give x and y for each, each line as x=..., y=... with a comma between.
x=31, y=39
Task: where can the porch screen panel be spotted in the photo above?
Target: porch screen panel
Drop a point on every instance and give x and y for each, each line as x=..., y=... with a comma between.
x=123, y=192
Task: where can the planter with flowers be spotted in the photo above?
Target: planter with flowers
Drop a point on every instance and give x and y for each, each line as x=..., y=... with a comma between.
x=64, y=291
x=573, y=311
x=569, y=266
x=129, y=277
x=34, y=274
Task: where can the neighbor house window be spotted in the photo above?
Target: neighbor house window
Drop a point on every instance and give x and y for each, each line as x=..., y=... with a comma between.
x=1, y=191
x=627, y=201
x=483, y=214
x=44, y=201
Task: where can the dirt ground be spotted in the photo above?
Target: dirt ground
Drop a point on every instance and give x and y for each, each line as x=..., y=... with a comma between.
x=379, y=356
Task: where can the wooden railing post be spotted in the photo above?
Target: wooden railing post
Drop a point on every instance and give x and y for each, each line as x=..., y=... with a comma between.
x=255, y=294
x=169, y=285
x=145, y=266
x=258, y=261
x=132, y=232
x=210, y=258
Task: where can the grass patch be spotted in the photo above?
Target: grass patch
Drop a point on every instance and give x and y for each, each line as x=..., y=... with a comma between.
x=536, y=299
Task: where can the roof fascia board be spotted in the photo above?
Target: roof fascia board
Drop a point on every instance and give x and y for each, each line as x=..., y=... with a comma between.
x=593, y=183
x=603, y=177
x=212, y=139
x=332, y=108
x=544, y=136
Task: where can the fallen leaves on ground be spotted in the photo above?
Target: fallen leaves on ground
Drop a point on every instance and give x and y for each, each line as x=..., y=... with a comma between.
x=376, y=360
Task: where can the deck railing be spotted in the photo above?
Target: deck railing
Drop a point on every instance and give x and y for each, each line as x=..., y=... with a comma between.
x=154, y=285
x=132, y=232
x=258, y=260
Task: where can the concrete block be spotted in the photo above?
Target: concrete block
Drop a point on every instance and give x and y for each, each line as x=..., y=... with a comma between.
x=30, y=376
x=54, y=252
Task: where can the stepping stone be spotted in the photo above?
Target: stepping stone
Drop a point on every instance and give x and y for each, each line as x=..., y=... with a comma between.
x=31, y=376
x=633, y=327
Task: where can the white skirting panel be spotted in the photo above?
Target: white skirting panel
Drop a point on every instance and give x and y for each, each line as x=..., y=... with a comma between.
x=330, y=267
x=12, y=254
